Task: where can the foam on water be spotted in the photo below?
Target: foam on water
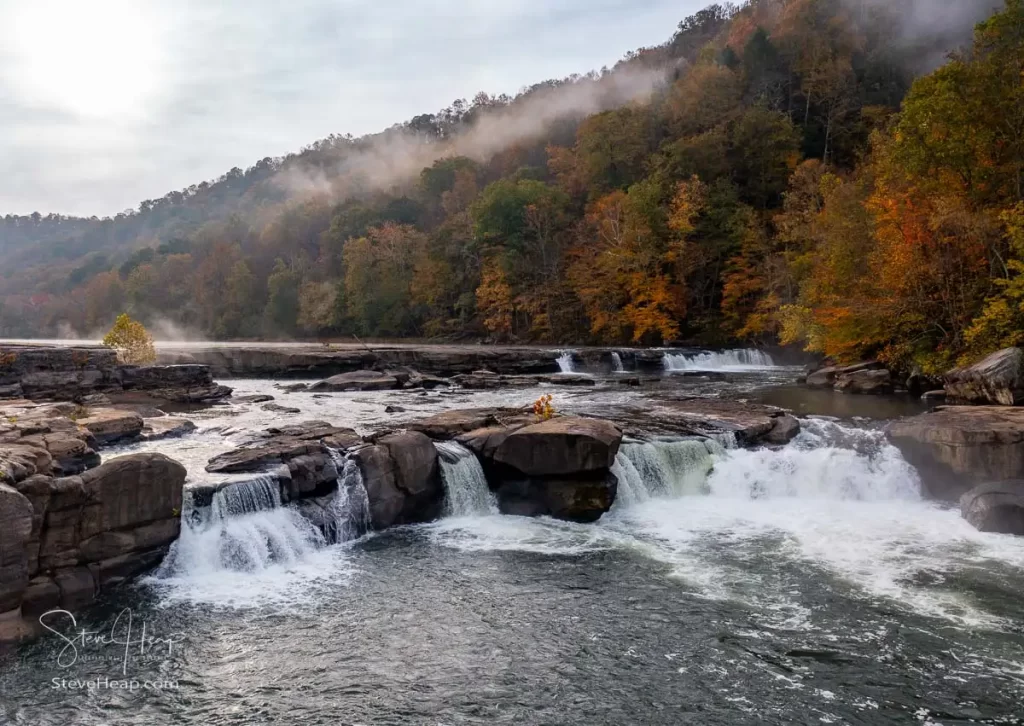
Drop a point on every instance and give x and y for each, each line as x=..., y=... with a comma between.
x=729, y=360
x=756, y=525
x=350, y=507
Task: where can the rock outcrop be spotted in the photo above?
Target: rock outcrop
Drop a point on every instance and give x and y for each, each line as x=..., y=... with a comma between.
x=752, y=424
x=563, y=446
x=63, y=539
x=995, y=507
x=46, y=373
x=957, y=447
x=869, y=377
x=402, y=479
x=998, y=379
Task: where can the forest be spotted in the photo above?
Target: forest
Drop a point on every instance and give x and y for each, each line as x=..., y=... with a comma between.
x=807, y=172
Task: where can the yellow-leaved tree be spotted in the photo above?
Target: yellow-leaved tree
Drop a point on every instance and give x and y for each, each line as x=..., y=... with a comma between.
x=131, y=340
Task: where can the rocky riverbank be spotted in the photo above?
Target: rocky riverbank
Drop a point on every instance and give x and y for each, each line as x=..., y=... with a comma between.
x=71, y=526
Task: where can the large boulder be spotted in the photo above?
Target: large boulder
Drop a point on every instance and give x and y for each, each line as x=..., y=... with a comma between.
x=956, y=447
x=561, y=446
x=358, y=381
x=582, y=498
x=402, y=479
x=995, y=507
x=126, y=505
x=15, y=532
x=877, y=381
x=828, y=376
x=997, y=379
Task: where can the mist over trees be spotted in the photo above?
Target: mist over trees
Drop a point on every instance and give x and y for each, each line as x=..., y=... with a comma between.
x=772, y=172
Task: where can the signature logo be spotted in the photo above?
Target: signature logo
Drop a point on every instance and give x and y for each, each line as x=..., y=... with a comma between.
x=131, y=639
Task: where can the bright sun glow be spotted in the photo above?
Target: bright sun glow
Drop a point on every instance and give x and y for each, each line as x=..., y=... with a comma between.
x=98, y=58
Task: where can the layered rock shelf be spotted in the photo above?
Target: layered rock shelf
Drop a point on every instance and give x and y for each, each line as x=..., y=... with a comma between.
x=436, y=360
x=51, y=373
x=71, y=526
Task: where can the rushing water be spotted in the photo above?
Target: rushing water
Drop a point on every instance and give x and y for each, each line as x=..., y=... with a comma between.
x=805, y=584
x=466, y=493
x=729, y=360
x=566, y=363
x=617, y=366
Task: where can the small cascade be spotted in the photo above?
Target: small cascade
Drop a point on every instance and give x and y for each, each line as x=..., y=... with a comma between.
x=826, y=461
x=617, y=363
x=565, y=362
x=729, y=360
x=664, y=468
x=243, y=529
x=466, y=491
x=350, y=508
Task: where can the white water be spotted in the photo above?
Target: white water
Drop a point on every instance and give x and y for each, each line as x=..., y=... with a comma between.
x=663, y=468
x=617, y=363
x=741, y=524
x=466, y=493
x=350, y=507
x=244, y=549
x=565, y=362
x=729, y=360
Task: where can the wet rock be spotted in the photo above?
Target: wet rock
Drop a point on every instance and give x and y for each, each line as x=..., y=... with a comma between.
x=580, y=498
x=378, y=471
x=276, y=408
x=292, y=387
x=957, y=447
x=258, y=398
x=995, y=507
x=479, y=381
x=569, y=379
x=358, y=381
x=420, y=380
x=417, y=474
x=998, y=379
x=41, y=595
x=449, y=424
x=561, y=446
x=876, y=382
x=109, y=425
x=394, y=409
x=170, y=427
x=938, y=395
x=77, y=587
x=786, y=429
x=630, y=381
x=748, y=422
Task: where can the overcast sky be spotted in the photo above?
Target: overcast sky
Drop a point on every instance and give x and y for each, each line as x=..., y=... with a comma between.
x=104, y=103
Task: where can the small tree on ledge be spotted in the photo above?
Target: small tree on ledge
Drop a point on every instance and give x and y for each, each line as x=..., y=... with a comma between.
x=133, y=343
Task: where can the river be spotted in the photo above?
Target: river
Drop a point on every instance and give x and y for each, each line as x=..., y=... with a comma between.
x=803, y=585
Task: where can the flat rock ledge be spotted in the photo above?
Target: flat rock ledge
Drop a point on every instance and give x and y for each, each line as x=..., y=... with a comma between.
x=48, y=373
x=957, y=447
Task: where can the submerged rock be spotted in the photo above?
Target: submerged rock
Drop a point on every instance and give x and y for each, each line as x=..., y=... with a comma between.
x=995, y=507
x=998, y=379
x=956, y=447
x=169, y=427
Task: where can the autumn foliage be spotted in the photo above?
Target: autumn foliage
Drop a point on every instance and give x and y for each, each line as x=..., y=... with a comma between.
x=133, y=343
x=790, y=181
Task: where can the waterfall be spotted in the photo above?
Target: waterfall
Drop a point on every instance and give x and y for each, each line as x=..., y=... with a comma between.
x=466, y=493
x=617, y=363
x=729, y=360
x=664, y=468
x=565, y=362
x=826, y=461
x=244, y=528
x=350, y=507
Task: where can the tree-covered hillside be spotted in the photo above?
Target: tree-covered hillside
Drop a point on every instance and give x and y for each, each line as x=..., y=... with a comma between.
x=773, y=172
